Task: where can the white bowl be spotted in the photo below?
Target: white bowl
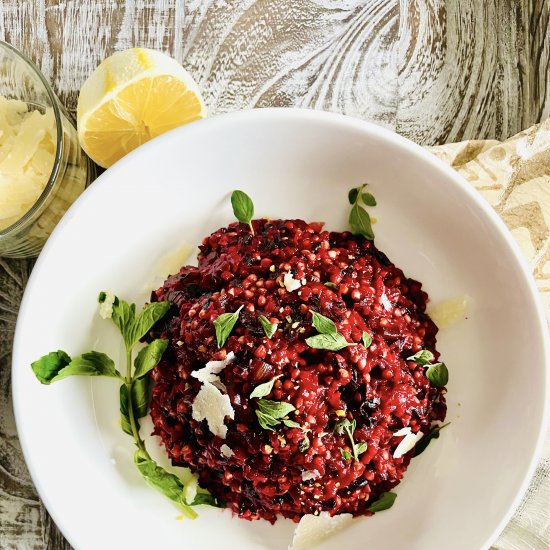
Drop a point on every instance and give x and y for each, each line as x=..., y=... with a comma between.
x=458, y=495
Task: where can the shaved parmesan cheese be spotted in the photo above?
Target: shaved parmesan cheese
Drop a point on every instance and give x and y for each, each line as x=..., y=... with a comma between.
x=385, y=302
x=190, y=489
x=307, y=475
x=226, y=451
x=213, y=406
x=209, y=373
x=407, y=443
x=27, y=154
x=315, y=529
x=291, y=284
x=447, y=313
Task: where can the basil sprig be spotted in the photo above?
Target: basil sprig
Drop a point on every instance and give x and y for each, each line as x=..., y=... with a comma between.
x=243, y=208
x=347, y=427
x=328, y=338
x=135, y=390
x=224, y=324
x=436, y=373
x=383, y=502
x=359, y=219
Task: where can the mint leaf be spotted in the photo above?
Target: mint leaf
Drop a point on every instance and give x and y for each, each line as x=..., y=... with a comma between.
x=367, y=339
x=204, y=497
x=269, y=327
x=275, y=409
x=332, y=285
x=144, y=322
x=368, y=199
x=359, y=222
x=264, y=389
x=243, y=207
x=360, y=448
x=438, y=374
x=384, y=502
x=345, y=454
x=266, y=421
x=47, y=367
x=345, y=426
x=93, y=363
x=323, y=324
x=303, y=446
x=332, y=342
x=353, y=194
x=124, y=415
x=224, y=324
x=291, y=424
x=422, y=357
x=141, y=395
x=149, y=357
x=166, y=483
x=420, y=447
x=123, y=316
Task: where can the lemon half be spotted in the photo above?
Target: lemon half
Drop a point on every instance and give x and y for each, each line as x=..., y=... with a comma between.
x=133, y=96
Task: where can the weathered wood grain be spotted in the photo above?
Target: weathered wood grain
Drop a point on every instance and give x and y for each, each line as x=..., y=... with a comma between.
x=434, y=70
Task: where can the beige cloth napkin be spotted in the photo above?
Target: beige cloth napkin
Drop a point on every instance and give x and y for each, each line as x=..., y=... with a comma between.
x=514, y=177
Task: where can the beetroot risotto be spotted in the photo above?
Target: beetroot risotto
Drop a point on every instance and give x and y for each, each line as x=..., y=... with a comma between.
x=300, y=372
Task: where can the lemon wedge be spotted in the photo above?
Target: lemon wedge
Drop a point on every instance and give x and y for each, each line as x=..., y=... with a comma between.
x=133, y=96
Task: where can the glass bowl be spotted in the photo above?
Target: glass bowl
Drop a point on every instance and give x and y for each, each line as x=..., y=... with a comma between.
x=71, y=171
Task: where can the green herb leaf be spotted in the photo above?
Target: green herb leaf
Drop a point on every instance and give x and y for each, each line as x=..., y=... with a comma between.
x=275, y=409
x=345, y=454
x=360, y=448
x=264, y=389
x=48, y=366
x=368, y=199
x=345, y=426
x=266, y=421
x=203, y=497
x=438, y=374
x=353, y=194
x=243, y=207
x=149, y=357
x=303, y=446
x=224, y=324
x=269, y=328
x=422, y=357
x=124, y=415
x=141, y=395
x=332, y=342
x=332, y=285
x=166, y=483
x=384, y=502
x=123, y=316
x=323, y=324
x=93, y=363
x=434, y=433
x=367, y=339
x=359, y=222
x=291, y=424
x=144, y=322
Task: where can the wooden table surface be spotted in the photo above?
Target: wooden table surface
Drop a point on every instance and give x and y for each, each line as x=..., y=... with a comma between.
x=433, y=70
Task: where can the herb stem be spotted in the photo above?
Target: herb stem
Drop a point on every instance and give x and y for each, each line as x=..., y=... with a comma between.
x=131, y=416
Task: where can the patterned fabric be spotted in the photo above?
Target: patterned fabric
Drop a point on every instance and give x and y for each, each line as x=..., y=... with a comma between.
x=514, y=177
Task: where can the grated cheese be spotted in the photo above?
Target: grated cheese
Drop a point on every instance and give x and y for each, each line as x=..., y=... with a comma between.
x=213, y=406
x=226, y=451
x=209, y=373
x=447, y=313
x=106, y=307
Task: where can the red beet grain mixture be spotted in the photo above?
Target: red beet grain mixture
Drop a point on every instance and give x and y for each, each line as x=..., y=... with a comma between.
x=331, y=445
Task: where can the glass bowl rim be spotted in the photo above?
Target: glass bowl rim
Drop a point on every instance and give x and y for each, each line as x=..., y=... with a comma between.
x=22, y=221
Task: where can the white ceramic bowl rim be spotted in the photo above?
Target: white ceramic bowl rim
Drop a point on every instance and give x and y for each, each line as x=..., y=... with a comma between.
x=280, y=114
